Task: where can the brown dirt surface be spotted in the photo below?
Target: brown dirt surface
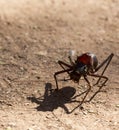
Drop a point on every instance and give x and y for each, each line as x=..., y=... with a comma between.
x=34, y=35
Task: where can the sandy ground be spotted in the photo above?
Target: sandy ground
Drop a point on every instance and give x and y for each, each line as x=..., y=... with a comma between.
x=34, y=35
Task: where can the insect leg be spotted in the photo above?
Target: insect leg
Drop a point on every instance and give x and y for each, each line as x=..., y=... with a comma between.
x=100, y=87
x=62, y=64
x=86, y=91
x=109, y=58
x=59, y=72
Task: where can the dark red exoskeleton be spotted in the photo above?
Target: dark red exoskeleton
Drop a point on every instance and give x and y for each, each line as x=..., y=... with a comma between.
x=85, y=65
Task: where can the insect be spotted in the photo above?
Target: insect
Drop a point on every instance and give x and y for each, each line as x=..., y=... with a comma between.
x=85, y=65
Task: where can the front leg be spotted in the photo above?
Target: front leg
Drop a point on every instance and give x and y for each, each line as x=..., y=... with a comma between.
x=63, y=64
x=57, y=73
x=87, y=91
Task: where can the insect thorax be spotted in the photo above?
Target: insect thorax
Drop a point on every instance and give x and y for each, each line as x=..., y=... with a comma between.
x=88, y=59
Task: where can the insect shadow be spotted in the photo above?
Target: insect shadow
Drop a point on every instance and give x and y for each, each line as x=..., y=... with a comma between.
x=53, y=99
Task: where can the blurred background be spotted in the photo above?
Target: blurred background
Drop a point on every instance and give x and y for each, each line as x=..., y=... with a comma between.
x=34, y=35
